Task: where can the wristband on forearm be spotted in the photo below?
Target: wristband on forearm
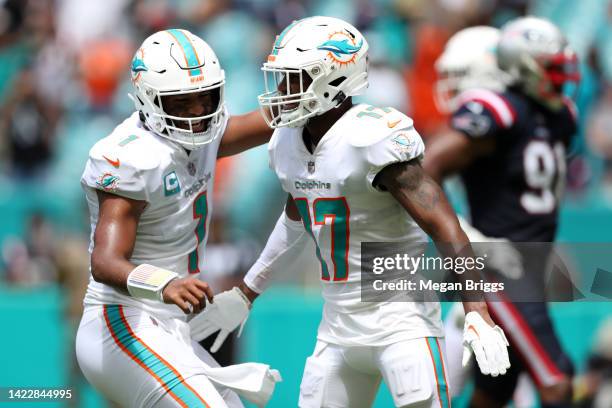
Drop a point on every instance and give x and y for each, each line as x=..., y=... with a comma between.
x=148, y=281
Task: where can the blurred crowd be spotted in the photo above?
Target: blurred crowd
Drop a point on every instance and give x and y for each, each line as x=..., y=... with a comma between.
x=63, y=65
x=64, y=81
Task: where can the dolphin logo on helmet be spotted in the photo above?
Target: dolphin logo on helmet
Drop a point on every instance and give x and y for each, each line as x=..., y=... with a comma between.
x=138, y=65
x=339, y=48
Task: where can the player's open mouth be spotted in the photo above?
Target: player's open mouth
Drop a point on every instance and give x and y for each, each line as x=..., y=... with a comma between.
x=199, y=126
x=288, y=107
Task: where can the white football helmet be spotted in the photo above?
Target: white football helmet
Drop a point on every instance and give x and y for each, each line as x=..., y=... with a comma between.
x=173, y=62
x=538, y=58
x=324, y=58
x=468, y=61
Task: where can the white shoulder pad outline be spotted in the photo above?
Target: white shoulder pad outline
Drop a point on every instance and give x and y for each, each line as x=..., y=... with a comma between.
x=399, y=145
x=373, y=124
x=122, y=163
x=138, y=151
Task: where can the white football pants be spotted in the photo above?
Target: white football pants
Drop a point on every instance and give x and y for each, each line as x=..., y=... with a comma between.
x=138, y=360
x=348, y=377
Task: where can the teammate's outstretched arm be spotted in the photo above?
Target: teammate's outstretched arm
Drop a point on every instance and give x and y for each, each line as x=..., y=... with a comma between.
x=284, y=245
x=244, y=132
x=451, y=151
x=231, y=308
x=426, y=203
x=113, y=245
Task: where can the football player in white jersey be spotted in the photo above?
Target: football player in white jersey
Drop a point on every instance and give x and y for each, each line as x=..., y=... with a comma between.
x=353, y=175
x=149, y=190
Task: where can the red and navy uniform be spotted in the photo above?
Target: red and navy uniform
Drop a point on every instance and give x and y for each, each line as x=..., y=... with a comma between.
x=513, y=193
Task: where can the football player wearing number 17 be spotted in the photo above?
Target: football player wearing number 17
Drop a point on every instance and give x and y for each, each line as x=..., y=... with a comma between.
x=353, y=174
x=149, y=190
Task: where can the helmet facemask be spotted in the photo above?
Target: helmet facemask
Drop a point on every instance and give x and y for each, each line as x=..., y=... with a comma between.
x=294, y=95
x=453, y=82
x=289, y=99
x=538, y=58
x=552, y=78
x=448, y=88
x=184, y=129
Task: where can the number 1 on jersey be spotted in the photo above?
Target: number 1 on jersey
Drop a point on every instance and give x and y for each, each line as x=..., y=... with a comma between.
x=200, y=212
x=335, y=210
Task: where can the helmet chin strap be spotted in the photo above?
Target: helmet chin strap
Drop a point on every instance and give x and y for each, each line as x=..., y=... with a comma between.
x=339, y=98
x=543, y=96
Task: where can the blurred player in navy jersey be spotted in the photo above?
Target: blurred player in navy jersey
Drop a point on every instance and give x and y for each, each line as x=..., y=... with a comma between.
x=509, y=148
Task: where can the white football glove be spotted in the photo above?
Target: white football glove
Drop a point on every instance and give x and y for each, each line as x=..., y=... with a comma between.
x=229, y=310
x=488, y=343
x=500, y=253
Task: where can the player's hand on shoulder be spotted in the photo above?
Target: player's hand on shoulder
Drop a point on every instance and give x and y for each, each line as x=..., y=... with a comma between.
x=189, y=294
x=230, y=310
x=487, y=342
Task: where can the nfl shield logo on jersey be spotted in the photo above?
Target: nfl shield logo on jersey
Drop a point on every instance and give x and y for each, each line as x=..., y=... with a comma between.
x=311, y=167
x=191, y=168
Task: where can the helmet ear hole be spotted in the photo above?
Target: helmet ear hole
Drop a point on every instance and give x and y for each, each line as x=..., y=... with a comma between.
x=340, y=97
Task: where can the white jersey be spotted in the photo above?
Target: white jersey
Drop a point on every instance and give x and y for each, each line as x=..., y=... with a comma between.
x=333, y=191
x=135, y=163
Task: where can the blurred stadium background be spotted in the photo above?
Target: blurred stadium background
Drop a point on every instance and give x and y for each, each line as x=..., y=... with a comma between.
x=64, y=84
